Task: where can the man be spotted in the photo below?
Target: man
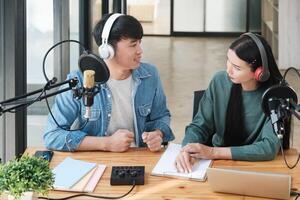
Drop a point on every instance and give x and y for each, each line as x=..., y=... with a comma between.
x=130, y=109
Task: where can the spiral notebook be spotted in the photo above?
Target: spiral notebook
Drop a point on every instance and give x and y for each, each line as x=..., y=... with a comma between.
x=166, y=165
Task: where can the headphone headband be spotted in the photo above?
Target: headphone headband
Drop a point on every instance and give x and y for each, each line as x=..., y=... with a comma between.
x=264, y=59
x=107, y=27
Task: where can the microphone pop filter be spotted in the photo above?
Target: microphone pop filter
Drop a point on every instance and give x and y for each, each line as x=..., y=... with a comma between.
x=278, y=92
x=89, y=61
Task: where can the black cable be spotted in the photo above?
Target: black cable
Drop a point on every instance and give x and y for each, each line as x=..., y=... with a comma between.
x=282, y=152
x=54, y=80
x=291, y=68
x=93, y=196
x=66, y=129
x=284, y=158
x=59, y=43
x=295, y=193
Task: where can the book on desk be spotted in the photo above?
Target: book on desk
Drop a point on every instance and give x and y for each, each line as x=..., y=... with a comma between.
x=77, y=176
x=166, y=165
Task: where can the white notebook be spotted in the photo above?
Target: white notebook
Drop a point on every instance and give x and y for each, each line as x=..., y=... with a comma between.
x=166, y=165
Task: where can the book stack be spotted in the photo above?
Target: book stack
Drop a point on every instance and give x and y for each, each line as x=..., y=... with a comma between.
x=77, y=176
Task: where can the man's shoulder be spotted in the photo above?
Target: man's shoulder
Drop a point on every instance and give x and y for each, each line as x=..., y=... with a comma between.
x=148, y=66
x=75, y=73
x=146, y=70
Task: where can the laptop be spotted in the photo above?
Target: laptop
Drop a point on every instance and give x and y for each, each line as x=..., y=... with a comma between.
x=250, y=183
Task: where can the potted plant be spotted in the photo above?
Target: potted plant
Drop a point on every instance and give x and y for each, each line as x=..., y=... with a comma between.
x=26, y=174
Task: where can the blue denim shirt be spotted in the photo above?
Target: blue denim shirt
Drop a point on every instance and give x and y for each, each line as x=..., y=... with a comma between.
x=150, y=112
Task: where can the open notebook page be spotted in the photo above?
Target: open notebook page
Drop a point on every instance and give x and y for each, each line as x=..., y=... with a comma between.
x=166, y=165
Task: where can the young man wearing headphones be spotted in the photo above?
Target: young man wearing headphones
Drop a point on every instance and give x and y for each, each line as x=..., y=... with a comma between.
x=230, y=123
x=130, y=109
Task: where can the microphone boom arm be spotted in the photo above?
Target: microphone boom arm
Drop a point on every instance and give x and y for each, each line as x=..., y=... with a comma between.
x=22, y=100
x=294, y=108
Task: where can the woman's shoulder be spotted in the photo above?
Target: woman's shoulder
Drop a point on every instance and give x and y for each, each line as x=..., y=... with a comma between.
x=220, y=84
x=222, y=78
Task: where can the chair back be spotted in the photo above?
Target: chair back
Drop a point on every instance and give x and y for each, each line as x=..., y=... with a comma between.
x=197, y=97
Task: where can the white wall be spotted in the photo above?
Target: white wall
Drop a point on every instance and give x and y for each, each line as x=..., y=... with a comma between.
x=289, y=33
x=188, y=15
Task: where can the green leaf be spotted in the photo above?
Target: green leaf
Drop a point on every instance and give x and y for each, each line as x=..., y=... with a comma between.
x=26, y=174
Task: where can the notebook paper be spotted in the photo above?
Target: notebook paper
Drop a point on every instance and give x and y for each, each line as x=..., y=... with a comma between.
x=90, y=187
x=80, y=185
x=70, y=171
x=166, y=165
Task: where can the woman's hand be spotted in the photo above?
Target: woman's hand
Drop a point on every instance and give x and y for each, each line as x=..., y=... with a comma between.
x=184, y=162
x=197, y=150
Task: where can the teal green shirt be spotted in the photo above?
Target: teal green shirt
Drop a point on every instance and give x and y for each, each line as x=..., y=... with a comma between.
x=261, y=142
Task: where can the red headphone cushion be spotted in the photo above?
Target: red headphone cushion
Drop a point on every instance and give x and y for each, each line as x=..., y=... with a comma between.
x=258, y=72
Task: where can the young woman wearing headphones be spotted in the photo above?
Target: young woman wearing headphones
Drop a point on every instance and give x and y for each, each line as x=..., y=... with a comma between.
x=130, y=109
x=230, y=123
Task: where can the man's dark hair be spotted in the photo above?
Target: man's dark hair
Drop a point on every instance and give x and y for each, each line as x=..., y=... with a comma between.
x=124, y=27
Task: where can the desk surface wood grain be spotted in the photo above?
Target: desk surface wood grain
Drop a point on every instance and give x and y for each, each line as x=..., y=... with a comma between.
x=161, y=187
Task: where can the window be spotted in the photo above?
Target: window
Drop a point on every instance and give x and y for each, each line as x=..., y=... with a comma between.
x=2, y=144
x=74, y=34
x=154, y=15
x=41, y=31
x=39, y=40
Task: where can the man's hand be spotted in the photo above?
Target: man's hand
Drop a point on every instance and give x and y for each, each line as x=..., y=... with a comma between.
x=120, y=141
x=153, y=139
x=197, y=150
x=184, y=162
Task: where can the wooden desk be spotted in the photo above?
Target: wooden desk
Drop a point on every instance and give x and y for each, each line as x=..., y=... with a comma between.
x=162, y=187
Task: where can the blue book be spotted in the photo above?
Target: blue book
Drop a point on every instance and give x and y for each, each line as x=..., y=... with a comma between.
x=70, y=171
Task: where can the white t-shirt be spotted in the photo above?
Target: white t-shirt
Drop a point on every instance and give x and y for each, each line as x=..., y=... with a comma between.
x=122, y=108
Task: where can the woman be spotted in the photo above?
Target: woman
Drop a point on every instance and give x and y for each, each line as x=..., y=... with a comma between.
x=230, y=123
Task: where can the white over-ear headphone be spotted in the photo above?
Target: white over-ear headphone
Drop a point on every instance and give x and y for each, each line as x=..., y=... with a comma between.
x=106, y=51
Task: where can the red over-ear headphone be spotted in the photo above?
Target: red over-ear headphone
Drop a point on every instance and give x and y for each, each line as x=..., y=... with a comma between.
x=258, y=73
x=262, y=73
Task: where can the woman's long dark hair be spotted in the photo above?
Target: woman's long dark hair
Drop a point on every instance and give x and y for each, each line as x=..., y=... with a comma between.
x=246, y=49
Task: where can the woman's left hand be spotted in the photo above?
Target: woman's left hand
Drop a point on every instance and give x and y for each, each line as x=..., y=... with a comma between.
x=197, y=150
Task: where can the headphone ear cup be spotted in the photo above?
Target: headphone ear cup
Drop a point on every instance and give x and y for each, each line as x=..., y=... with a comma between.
x=103, y=52
x=106, y=51
x=111, y=51
x=258, y=73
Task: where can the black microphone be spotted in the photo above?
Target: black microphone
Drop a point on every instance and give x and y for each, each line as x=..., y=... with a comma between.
x=90, y=61
x=95, y=70
x=275, y=103
x=88, y=91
